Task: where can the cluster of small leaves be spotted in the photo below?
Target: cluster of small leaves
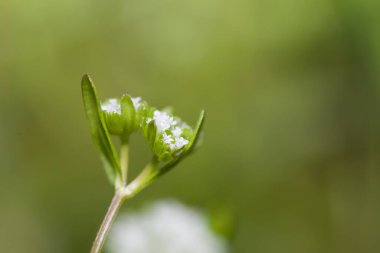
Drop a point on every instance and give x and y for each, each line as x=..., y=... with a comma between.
x=169, y=138
x=123, y=116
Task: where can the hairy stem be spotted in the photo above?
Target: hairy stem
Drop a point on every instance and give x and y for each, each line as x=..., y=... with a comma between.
x=113, y=209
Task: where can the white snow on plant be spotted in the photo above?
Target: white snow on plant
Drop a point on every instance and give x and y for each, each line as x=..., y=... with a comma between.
x=164, y=227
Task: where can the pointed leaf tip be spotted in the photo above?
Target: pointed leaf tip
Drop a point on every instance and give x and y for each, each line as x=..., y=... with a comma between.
x=86, y=79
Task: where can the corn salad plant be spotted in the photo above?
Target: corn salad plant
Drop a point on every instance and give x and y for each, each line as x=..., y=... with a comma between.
x=170, y=140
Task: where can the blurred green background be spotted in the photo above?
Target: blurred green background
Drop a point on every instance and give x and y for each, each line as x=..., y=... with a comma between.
x=292, y=138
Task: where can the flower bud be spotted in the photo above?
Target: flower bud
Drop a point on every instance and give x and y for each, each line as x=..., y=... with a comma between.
x=169, y=137
x=123, y=116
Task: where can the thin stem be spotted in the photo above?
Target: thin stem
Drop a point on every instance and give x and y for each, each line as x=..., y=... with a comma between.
x=113, y=209
x=146, y=177
x=124, y=157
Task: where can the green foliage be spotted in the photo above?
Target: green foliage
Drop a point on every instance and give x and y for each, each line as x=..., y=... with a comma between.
x=169, y=137
x=131, y=114
x=123, y=116
x=114, y=121
x=98, y=129
x=195, y=141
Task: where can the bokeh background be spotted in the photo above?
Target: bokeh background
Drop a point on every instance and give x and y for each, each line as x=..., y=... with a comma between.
x=292, y=138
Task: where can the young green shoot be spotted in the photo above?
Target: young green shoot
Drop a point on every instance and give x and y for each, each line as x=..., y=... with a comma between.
x=170, y=140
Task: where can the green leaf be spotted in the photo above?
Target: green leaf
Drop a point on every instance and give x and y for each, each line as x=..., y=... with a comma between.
x=99, y=130
x=151, y=133
x=128, y=113
x=114, y=123
x=190, y=147
x=149, y=129
x=197, y=132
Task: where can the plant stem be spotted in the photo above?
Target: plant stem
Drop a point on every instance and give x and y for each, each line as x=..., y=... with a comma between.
x=113, y=209
x=143, y=179
x=124, y=157
x=147, y=175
